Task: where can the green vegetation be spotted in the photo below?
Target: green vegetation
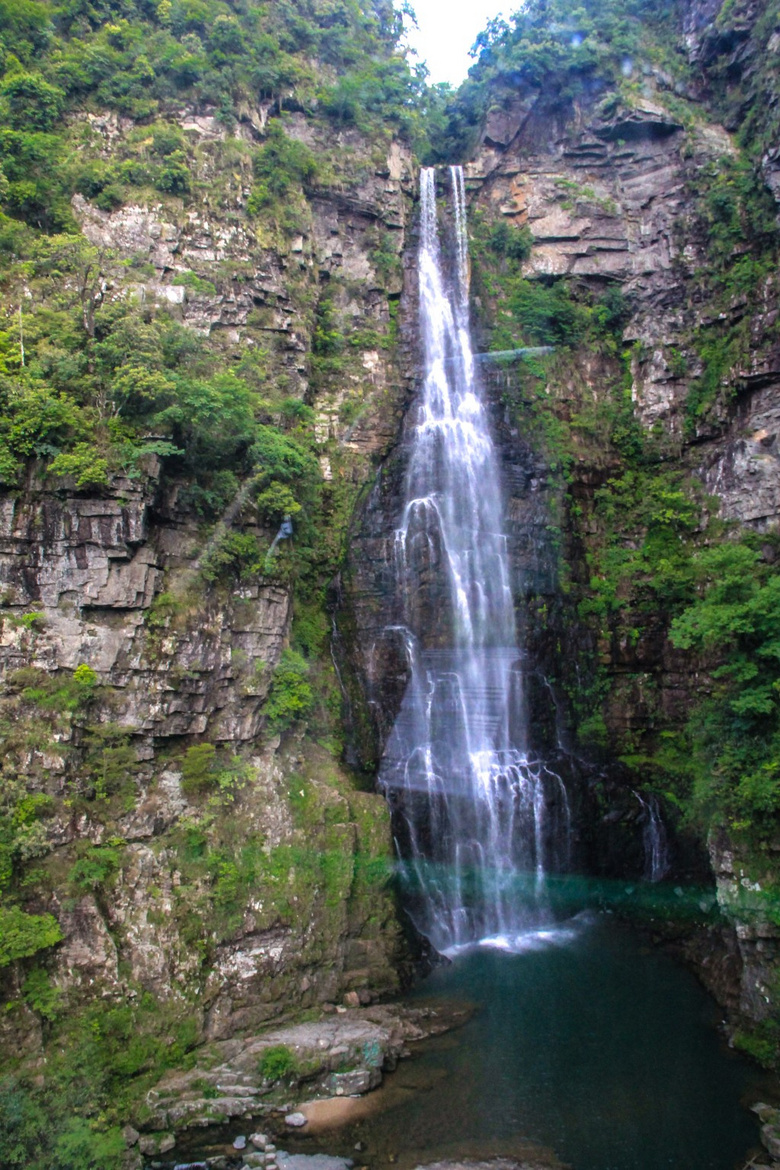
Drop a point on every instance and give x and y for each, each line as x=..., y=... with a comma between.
x=761, y=1042
x=195, y=283
x=104, y=380
x=649, y=516
x=734, y=215
x=635, y=538
x=27, y=1137
x=565, y=51
x=283, y=168
x=659, y=553
x=95, y=868
x=752, y=104
x=291, y=697
x=102, y=1057
x=276, y=1063
x=94, y=382
x=137, y=58
x=205, y=770
x=36, y=710
x=23, y=935
x=533, y=312
x=734, y=735
x=99, y=380
x=655, y=555
x=235, y=555
x=103, y=1054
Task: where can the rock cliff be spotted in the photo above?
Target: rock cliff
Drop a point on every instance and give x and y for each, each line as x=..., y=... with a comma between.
x=192, y=714
x=197, y=869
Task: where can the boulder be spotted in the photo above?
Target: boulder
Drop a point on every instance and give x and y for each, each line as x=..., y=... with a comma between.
x=296, y=1120
x=770, y=1138
x=355, y=1082
x=312, y=1162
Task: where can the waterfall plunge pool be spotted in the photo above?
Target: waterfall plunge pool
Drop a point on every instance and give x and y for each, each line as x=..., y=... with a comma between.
x=582, y=1040
x=588, y=1042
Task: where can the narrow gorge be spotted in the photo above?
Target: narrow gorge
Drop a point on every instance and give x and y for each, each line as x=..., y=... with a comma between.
x=389, y=594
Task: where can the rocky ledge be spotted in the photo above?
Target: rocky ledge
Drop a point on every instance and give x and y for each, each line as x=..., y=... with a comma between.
x=344, y=1053
x=770, y=1136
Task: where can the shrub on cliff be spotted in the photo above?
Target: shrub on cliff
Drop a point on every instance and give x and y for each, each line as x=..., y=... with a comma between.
x=379, y=90
x=281, y=166
x=205, y=770
x=291, y=697
x=34, y=1137
x=23, y=935
x=80, y=1147
x=734, y=733
x=233, y=556
x=95, y=869
x=30, y=102
x=198, y=767
x=276, y=1062
x=34, y=421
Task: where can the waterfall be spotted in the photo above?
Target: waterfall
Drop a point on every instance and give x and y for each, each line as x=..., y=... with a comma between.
x=654, y=840
x=479, y=820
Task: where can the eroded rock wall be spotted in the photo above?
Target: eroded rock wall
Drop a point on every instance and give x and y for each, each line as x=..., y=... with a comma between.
x=228, y=905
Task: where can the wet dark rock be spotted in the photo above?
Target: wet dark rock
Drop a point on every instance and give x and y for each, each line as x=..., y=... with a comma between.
x=359, y=1080
x=156, y=1143
x=770, y=1138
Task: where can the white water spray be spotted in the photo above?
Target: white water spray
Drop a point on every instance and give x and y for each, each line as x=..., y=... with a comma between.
x=480, y=820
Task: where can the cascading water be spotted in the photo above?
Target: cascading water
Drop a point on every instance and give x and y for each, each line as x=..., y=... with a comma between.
x=654, y=840
x=480, y=821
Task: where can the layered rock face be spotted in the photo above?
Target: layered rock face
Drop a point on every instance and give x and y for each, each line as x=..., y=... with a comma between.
x=271, y=893
x=92, y=568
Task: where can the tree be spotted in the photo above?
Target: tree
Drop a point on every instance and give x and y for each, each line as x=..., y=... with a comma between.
x=81, y=268
x=32, y=103
x=22, y=935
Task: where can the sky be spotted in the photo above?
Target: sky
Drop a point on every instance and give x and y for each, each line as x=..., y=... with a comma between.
x=446, y=31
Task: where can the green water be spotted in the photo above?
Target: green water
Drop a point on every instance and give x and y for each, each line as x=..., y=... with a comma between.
x=593, y=1045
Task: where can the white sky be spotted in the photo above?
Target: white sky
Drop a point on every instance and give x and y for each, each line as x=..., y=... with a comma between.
x=447, y=30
